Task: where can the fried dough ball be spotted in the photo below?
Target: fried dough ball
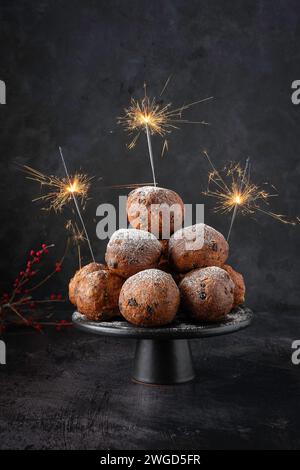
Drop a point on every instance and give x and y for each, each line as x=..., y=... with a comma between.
x=98, y=295
x=148, y=208
x=207, y=293
x=197, y=246
x=149, y=298
x=239, y=285
x=130, y=251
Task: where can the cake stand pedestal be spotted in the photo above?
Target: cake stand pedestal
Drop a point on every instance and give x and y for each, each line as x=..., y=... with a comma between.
x=163, y=354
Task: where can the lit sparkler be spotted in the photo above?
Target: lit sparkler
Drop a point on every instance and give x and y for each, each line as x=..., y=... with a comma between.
x=73, y=190
x=149, y=117
x=59, y=190
x=233, y=192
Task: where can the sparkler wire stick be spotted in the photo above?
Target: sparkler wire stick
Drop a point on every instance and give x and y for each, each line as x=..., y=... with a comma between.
x=76, y=204
x=151, y=154
x=232, y=220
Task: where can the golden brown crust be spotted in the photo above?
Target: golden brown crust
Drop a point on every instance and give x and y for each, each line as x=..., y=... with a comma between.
x=142, y=216
x=197, y=246
x=80, y=274
x=98, y=295
x=239, y=285
x=207, y=293
x=164, y=247
x=163, y=262
x=130, y=251
x=149, y=298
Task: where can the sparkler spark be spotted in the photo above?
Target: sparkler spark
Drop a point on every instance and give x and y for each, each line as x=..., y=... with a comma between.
x=77, y=237
x=149, y=117
x=159, y=119
x=233, y=191
x=59, y=190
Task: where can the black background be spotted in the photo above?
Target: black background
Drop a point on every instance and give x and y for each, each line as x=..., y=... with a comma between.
x=71, y=67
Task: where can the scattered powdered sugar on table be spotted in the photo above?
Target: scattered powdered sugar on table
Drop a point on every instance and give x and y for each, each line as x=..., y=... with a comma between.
x=180, y=325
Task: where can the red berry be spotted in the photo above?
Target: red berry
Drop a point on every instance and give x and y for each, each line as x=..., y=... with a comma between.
x=32, y=252
x=44, y=246
x=57, y=267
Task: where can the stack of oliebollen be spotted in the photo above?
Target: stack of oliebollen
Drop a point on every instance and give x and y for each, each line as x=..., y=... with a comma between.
x=147, y=279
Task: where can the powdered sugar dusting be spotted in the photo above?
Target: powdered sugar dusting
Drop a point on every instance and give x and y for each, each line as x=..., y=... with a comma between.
x=152, y=275
x=212, y=272
x=146, y=190
x=198, y=230
x=134, y=246
x=131, y=234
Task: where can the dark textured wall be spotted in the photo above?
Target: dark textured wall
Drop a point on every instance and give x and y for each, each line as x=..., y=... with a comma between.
x=71, y=66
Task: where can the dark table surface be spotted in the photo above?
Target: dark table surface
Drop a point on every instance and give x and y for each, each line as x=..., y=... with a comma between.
x=71, y=390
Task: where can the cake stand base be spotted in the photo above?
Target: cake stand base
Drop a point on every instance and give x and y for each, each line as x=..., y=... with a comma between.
x=163, y=362
x=163, y=354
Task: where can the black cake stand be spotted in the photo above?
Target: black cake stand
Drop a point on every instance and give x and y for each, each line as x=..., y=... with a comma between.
x=163, y=354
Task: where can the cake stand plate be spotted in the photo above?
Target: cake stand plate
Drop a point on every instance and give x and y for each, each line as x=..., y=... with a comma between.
x=163, y=354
